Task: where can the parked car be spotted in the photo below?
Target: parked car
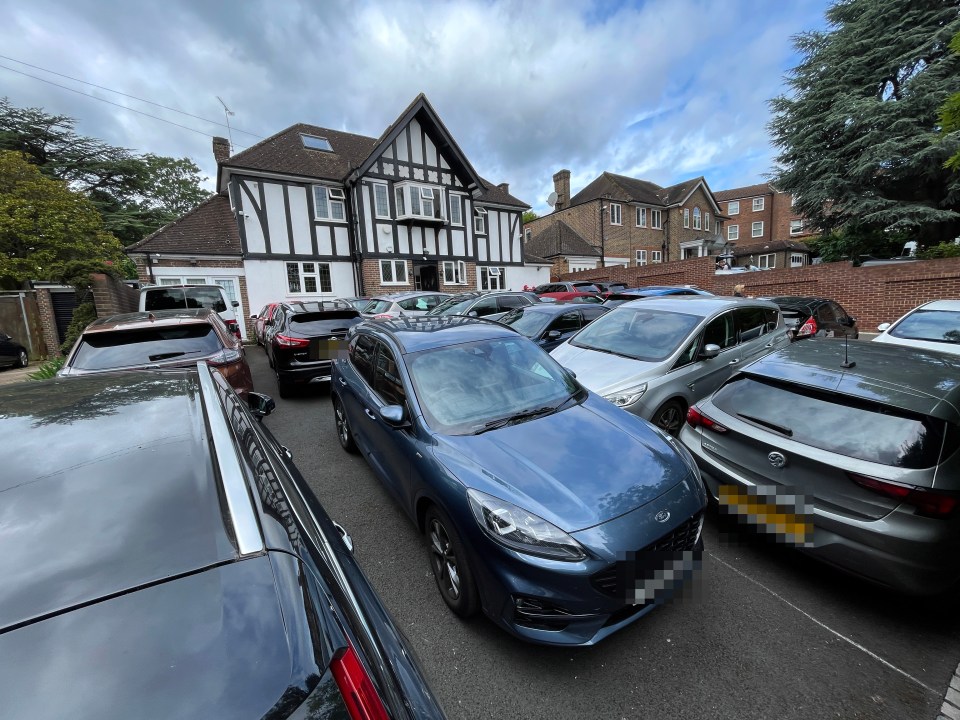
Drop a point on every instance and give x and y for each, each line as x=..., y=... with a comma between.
x=871, y=447
x=190, y=297
x=816, y=317
x=563, y=287
x=165, y=339
x=260, y=320
x=403, y=304
x=550, y=538
x=549, y=324
x=304, y=339
x=169, y=560
x=489, y=305
x=611, y=287
x=579, y=297
x=358, y=303
x=12, y=353
x=933, y=326
x=626, y=295
x=657, y=356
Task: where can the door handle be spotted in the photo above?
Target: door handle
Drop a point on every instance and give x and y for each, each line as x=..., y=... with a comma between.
x=734, y=362
x=769, y=344
x=343, y=383
x=370, y=414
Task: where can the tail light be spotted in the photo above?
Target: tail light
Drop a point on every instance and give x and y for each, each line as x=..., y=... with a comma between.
x=225, y=357
x=808, y=328
x=931, y=503
x=359, y=695
x=234, y=327
x=695, y=418
x=287, y=341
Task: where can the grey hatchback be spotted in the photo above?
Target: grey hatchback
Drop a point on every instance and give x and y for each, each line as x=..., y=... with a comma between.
x=860, y=457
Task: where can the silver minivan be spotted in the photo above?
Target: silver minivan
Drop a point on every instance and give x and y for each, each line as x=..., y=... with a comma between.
x=657, y=356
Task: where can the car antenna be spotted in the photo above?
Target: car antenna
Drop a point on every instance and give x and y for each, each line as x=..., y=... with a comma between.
x=847, y=362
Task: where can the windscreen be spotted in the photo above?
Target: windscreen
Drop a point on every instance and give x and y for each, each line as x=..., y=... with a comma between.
x=452, y=308
x=638, y=333
x=377, y=306
x=323, y=323
x=132, y=348
x=844, y=425
x=931, y=325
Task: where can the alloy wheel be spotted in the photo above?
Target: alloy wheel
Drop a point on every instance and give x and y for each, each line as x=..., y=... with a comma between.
x=23, y=358
x=670, y=419
x=444, y=560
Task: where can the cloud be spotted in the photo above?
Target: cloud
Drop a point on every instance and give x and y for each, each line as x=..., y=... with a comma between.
x=663, y=89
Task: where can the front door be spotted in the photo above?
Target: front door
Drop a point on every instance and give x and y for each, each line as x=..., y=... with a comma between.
x=426, y=277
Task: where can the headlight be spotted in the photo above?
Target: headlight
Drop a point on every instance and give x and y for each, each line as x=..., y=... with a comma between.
x=622, y=398
x=519, y=530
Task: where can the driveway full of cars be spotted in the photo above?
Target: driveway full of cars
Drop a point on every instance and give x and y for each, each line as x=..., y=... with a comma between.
x=764, y=633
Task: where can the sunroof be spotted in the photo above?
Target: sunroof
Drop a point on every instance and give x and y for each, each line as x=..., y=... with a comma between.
x=316, y=143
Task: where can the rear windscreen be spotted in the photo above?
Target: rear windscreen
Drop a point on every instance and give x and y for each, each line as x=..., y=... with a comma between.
x=325, y=323
x=844, y=425
x=180, y=298
x=128, y=348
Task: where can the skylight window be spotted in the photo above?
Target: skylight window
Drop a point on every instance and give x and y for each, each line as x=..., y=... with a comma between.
x=314, y=142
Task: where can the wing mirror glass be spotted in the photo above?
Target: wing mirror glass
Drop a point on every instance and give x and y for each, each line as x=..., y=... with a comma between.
x=394, y=416
x=260, y=405
x=553, y=335
x=235, y=303
x=883, y=326
x=709, y=351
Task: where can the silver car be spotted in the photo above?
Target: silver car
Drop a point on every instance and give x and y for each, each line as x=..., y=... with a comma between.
x=383, y=307
x=657, y=356
x=850, y=454
x=932, y=326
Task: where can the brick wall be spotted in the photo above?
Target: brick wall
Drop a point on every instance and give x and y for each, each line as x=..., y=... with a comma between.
x=873, y=295
x=782, y=215
x=372, y=286
x=111, y=296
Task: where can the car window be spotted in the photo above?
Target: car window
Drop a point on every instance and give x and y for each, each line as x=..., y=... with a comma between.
x=529, y=323
x=638, y=333
x=164, y=299
x=413, y=304
x=485, y=306
x=773, y=318
x=841, y=314
x=825, y=314
x=932, y=325
x=211, y=298
x=386, y=379
x=512, y=301
x=844, y=425
x=128, y=348
x=721, y=331
x=592, y=313
x=377, y=306
x=566, y=323
x=431, y=301
x=751, y=322
x=361, y=351
x=689, y=354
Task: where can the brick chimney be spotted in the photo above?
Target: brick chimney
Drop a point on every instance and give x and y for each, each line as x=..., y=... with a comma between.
x=221, y=149
x=561, y=186
x=504, y=186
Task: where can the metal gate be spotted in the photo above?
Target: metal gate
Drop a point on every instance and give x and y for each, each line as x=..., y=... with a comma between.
x=64, y=302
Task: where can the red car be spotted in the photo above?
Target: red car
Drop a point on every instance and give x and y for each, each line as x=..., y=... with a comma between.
x=260, y=319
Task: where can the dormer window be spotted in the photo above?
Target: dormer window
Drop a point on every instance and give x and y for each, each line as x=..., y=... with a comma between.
x=421, y=202
x=315, y=142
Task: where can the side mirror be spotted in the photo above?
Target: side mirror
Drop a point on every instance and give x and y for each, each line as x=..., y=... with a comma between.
x=260, y=405
x=572, y=373
x=883, y=326
x=552, y=335
x=235, y=303
x=394, y=416
x=709, y=351
x=253, y=316
x=473, y=313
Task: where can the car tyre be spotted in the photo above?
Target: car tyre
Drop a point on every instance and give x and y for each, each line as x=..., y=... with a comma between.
x=451, y=568
x=23, y=360
x=669, y=417
x=283, y=387
x=344, y=433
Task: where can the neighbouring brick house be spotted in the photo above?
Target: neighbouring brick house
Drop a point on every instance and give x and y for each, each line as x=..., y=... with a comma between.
x=772, y=254
x=314, y=213
x=760, y=214
x=630, y=221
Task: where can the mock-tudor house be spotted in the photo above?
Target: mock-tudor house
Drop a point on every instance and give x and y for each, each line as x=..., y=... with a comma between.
x=628, y=221
x=320, y=213
x=761, y=214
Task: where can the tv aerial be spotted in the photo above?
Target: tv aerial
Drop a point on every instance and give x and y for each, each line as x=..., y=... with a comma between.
x=227, y=112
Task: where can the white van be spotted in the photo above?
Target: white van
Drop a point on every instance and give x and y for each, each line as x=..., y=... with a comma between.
x=176, y=297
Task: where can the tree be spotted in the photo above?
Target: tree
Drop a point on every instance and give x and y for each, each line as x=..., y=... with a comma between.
x=135, y=194
x=47, y=230
x=529, y=216
x=858, y=136
x=950, y=114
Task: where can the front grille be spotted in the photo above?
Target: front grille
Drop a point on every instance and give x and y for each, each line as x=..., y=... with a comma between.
x=620, y=579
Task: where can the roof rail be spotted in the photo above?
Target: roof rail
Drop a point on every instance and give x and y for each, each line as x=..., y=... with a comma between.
x=239, y=503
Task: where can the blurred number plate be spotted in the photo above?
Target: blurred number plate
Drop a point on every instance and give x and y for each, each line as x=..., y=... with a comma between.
x=327, y=349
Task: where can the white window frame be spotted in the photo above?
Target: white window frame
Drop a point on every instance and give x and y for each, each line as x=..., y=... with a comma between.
x=480, y=221
x=456, y=210
x=686, y=217
x=641, y=258
x=656, y=257
x=641, y=217
x=394, y=266
x=616, y=214
x=756, y=229
x=377, y=189
x=454, y=272
x=656, y=219
x=333, y=198
x=796, y=227
x=797, y=259
x=757, y=204
x=697, y=220
x=413, y=199
x=310, y=269
x=767, y=261
x=492, y=278
x=733, y=207
x=733, y=232
x=706, y=221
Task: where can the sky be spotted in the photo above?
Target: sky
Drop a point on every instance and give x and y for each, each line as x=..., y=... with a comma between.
x=662, y=90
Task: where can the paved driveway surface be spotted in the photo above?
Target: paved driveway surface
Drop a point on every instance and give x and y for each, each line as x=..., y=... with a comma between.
x=767, y=633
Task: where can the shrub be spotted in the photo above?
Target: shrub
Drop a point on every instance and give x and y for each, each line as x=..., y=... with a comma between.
x=47, y=369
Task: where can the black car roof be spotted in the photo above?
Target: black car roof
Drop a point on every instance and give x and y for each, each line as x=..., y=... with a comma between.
x=107, y=485
x=413, y=334
x=557, y=308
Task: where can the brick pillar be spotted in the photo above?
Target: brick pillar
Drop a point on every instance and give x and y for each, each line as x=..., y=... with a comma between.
x=48, y=322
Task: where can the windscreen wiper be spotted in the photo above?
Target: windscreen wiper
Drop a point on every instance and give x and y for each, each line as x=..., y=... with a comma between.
x=165, y=356
x=782, y=429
